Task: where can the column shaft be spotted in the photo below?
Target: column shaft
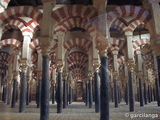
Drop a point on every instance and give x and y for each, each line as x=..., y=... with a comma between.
x=39, y=93
x=149, y=94
x=104, y=90
x=131, y=92
x=23, y=92
x=90, y=94
x=87, y=95
x=9, y=94
x=157, y=91
x=4, y=94
x=27, y=95
x=145, y=94
x=59, y=93
x=97, y=93
x=115, y=94
x=44, y=109
x=70, y=95
x=64, y=94
x=14, y=93
x=30, y=94
x=53, y=94
x=141, y=93
x=126, y=94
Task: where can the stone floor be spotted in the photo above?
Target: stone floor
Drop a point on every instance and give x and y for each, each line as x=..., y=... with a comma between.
x=78, y=111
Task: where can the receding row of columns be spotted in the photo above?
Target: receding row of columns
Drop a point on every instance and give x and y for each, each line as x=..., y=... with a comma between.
x=104, y=91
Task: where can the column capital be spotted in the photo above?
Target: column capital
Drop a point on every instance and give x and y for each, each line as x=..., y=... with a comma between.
x=90, y=75
x=60, y=66
x=115, y=52
x=130, y=65
x=96, y=66
x=53, y=82
x=15, y=73
x=138, y=52
x=65, y=75
x=24, y=64
x=46, y=43
x=139, y=74
x=115, y=75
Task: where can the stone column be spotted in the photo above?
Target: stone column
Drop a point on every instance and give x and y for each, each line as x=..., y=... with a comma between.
x=23, y=85
x=104, y=89
x=39, y=87
x=126, y=94
x=4, y=93
x=70, y=94
x=65, y=89
x=59, y=87
x=27, y=94
x=149, y=94
x=96, y=66
x=87, y=95
x=30, y=92
x=53, y=92
x=15, y=78
x=145, y=93
x=44, y=111
x=9, y=92
x=14, y=90
x=112, y=91
x=130, y=66
x=156, y=76
x=90, y=90
x=141, y=92
x=39, y=78
x=115, y=74
x=157, y=91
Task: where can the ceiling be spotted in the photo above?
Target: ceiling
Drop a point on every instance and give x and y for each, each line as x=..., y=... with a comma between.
x=85, y=2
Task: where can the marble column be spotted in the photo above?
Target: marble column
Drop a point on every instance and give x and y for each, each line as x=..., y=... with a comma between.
x=145, y=93
x=27, y=94
x=30, y=93
x=90, y=94
x=158, y=67
x=115, y=93
x=126, y=94
x=70, y=94
x=157, y=91
x=59, y=93
x=4, y=94
x=39, y=87
x=104, y=89
x=64, y=93
x=14, y=92
x=141, y=93
x=149, y=94
x=67, y=94
x=87, y=95
x=130, y=66
x=23, y=85
x=53, y=93
x=97, y=91
x=151, y=90
x=44, y=109
x=119, y=95
x=9, y=93
x=59, y=88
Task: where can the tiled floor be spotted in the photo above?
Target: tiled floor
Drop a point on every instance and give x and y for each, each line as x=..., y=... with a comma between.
x=78, y=111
